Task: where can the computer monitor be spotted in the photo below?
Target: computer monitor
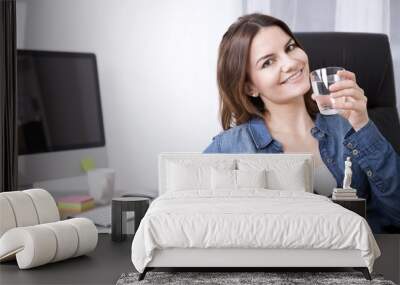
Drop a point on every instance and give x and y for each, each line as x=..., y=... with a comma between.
x=60, y=119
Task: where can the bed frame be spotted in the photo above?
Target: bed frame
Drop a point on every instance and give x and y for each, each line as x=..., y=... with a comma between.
x=242, y=259
x=249, y=258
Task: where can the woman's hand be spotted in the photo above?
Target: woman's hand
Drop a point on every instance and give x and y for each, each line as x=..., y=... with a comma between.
x=353, y=106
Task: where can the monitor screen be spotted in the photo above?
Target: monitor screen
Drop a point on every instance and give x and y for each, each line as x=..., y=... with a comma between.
x=59, y=105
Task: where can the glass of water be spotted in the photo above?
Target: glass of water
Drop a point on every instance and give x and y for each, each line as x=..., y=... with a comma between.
x=321, y=79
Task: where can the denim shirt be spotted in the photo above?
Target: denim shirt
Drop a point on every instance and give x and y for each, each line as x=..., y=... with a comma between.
x=375, y=164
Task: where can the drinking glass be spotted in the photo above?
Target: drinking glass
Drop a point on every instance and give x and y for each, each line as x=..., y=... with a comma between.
x=321, y=79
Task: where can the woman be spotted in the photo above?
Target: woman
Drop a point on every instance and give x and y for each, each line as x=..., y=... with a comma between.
x=266, y=106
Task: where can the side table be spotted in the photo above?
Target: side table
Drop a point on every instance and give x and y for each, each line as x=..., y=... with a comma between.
x=357, y=205
x=119, y=207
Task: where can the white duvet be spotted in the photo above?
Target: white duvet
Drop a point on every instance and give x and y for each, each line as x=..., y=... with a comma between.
x=250, y=219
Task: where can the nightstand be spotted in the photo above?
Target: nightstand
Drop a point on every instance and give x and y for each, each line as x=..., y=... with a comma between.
x=357, y=205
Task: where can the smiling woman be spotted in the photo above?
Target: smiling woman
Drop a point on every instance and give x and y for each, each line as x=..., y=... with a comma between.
x=262, y=43
x=267, y=106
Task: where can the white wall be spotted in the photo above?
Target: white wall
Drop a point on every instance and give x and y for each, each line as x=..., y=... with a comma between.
x=157, y=71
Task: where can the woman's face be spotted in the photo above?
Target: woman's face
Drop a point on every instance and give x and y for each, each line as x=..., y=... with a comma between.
x=277, y=67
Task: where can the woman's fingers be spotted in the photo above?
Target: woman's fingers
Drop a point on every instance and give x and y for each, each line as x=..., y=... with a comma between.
x=349, y=104
x=354, y=93
x=350, y=99
x=342, y=85
x=347, y=75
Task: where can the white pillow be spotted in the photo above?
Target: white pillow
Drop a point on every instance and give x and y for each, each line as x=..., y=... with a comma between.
x=183, y=177
x=223, y=179
x=190, y=174
x=287, y=180
x=251, y=178
x=281, y=174
x=237, y=179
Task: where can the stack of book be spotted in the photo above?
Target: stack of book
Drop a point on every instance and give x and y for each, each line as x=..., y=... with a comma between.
x=344, y=194
x=75, y=204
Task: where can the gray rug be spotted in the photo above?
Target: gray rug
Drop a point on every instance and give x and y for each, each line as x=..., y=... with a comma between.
x=229, y=278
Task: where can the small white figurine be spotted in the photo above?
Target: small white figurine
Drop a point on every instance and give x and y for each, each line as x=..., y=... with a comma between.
x=347, y=174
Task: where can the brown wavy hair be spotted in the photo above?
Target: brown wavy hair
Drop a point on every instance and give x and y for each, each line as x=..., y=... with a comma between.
x=235, y=106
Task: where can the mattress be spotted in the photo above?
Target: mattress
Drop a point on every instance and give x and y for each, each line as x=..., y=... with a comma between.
x=251, y=219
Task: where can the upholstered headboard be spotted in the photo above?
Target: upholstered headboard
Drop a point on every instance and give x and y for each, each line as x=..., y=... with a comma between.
x=287, y=168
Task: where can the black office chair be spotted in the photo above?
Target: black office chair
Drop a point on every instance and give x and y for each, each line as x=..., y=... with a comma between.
x=369, y=57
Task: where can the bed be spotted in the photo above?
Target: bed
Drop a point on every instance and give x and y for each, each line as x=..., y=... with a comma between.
x=247, y=210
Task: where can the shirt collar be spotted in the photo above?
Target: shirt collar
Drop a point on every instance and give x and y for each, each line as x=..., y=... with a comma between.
x=259, y=132
x=262, y=137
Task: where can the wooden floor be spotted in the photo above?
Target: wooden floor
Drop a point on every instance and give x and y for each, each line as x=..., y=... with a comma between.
x=110, y=259
x=102, y=266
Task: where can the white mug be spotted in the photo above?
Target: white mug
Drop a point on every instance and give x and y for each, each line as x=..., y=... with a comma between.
x=101, y=184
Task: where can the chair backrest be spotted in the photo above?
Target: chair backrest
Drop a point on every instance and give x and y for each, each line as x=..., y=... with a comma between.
x=369, y=57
